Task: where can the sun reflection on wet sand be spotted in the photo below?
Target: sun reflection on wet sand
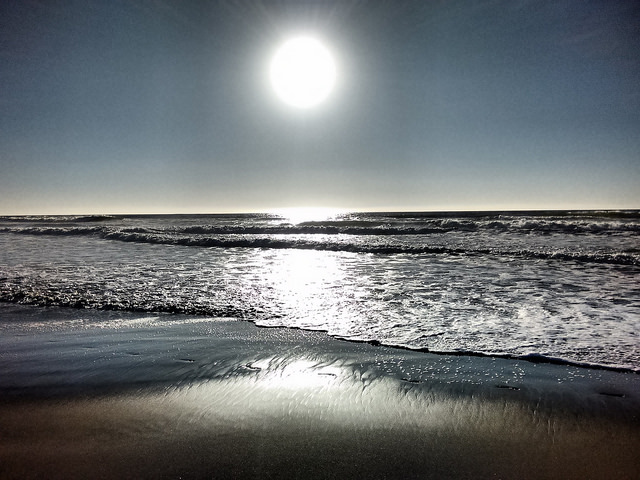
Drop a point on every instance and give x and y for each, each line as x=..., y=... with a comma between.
x=297, y=374
x=292, y=421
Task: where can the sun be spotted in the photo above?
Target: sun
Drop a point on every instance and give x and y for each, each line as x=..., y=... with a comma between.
x=303, y=72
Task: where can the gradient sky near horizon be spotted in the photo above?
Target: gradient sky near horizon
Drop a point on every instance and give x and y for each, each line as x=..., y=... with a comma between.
x=166, y=107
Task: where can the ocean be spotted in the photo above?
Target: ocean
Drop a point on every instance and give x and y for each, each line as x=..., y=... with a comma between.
x=557, y=286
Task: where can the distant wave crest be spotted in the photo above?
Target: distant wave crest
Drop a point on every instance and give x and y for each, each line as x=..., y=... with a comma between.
x=358, y=233
x=58, y=218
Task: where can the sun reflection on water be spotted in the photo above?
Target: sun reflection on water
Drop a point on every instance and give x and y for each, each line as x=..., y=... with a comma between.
x=309, y=286
x=297, y=215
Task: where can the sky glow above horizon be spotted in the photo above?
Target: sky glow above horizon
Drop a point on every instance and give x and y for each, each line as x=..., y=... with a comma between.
x=168, y=107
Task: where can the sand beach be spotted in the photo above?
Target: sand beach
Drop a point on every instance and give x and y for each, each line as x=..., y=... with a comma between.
x=91, y=394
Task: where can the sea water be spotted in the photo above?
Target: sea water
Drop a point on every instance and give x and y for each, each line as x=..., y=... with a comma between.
x=562, y=286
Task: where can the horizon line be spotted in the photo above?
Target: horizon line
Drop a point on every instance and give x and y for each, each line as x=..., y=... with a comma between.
x=334, y=210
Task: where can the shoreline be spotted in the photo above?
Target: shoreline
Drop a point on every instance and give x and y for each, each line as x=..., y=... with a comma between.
x=530, y=357
x=126, y=395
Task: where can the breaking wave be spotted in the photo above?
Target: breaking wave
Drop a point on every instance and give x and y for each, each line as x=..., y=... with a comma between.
x=334, y=245
x=308, y=238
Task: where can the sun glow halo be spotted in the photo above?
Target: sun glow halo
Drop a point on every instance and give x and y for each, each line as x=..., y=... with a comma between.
x=303, y=72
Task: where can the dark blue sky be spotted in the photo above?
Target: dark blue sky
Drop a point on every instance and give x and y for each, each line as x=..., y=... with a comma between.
x=161, y=107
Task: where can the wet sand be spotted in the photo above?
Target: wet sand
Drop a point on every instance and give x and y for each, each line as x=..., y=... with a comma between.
x=110, y=395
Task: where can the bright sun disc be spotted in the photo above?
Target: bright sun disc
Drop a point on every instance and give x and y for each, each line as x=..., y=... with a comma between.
x=303, y=72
